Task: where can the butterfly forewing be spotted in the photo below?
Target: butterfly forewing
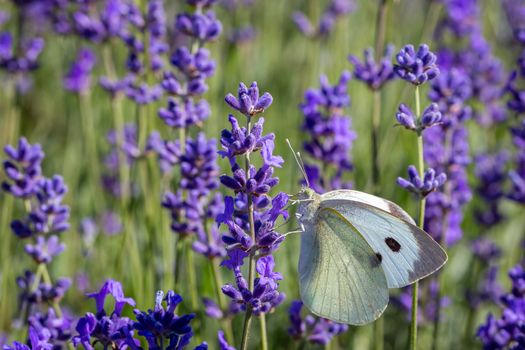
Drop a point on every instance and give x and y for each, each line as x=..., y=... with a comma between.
x=340, y=274
x=407, y=253
x=366, y=198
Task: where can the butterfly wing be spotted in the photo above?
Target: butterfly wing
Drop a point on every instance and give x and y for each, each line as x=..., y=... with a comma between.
x=366, y=198
x=340, y=275
x=407, y=252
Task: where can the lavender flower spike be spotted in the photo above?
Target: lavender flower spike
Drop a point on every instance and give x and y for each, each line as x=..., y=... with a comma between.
x=248, y=101
x=374, y=74
x=416, y=67
x=422, y=187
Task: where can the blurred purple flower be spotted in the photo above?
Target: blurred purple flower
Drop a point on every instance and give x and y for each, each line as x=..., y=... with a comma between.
x=312, y=329
x=23, y=168
x=111, y=223
x=507, y=331
x=374, y=74
x=427, y=312
x=204, y=27
x=335, y=10
x=78, y=78
x=330, y=134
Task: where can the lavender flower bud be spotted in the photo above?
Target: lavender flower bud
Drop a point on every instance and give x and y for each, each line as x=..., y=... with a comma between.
x=416, y=67
x=422, y=187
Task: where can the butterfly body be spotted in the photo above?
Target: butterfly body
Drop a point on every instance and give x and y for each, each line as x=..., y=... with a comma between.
x=354, y=247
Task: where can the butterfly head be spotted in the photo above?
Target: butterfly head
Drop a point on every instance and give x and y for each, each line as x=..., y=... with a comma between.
x=308, y=203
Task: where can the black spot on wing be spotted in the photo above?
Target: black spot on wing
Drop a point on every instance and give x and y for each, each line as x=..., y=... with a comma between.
x=392, y=244
x=379, y=257
x=375, y=260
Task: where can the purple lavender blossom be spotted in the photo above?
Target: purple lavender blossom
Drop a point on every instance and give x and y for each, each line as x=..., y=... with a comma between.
x=312, y=329
x=44, y=250
x=78, y=78
x=204, y=27
x=447, y=151
x=431, y=116
x=450, y=90
x=198, y=177
x=374, y=74
x=23, y=168
x=517, y=175
x=110, y=331
x=485, y=249
x=223, y=344
x=428, y=311
x=336, y=9
x=490, y=170
x=264, y=296
x=185, y=114
x=248, y=101
x=250, y=216
x=162, y=326
x=36, y=342
x=422, y=187
x=416, y=67
x=507, y=331
x=330, y=133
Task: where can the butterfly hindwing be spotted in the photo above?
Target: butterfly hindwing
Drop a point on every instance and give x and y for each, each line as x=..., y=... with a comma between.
x=407, y=253
x=340, y=275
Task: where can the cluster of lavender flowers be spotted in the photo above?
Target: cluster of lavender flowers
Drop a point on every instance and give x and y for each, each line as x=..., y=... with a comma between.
x=374, y=74
x=429, y=302
x=192, y=205
x=508, y=331
x=250, y=214
x=161, y=327
x=20, y=51
x=516, y=105
x=330, y=134
x=517, y=175
x=335, y=10
x=240, y=33
x=417, y=68
x=312, y=329
x=46, y=217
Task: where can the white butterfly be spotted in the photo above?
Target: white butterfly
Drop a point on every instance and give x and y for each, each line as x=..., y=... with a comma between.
x=355, y=246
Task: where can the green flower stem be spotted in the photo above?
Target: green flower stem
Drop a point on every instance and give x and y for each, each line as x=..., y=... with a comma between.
x=381, y=19
x=9, y=126
x=91, y=146
x=264, y=333
x=251, y=262
x=217, y=280
x=376, y=120
x=421, y=223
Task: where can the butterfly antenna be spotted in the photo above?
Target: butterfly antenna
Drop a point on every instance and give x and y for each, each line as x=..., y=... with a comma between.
x=299, y=162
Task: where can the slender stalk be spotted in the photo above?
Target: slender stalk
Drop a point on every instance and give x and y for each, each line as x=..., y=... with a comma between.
x=9, y=126
x=217, y=280
x=251, y=262
x=192, y=282
x=90, y=139
x=421, y=222
x=264, y=333
x=376, y=120
x=381, y=19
